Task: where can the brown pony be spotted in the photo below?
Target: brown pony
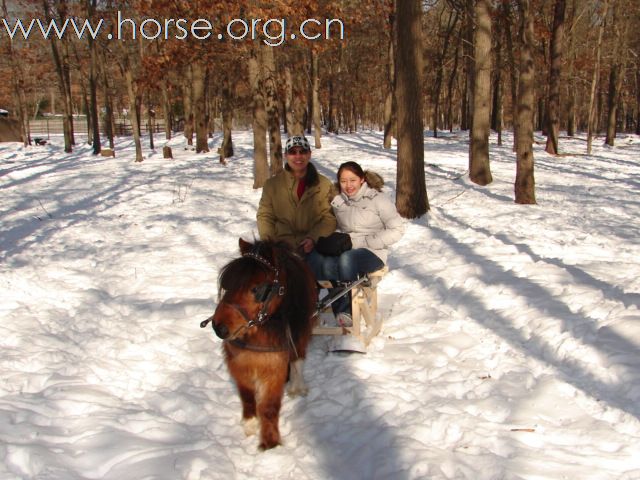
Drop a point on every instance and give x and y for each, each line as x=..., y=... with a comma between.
x=265, y=316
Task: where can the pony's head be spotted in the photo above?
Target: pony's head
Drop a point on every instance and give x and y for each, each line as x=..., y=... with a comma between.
x=251, y=290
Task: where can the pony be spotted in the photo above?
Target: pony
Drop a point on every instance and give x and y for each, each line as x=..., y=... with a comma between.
x=265, y=317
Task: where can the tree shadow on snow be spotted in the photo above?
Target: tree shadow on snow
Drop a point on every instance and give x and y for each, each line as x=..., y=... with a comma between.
x=584, y=329
x=347, y=436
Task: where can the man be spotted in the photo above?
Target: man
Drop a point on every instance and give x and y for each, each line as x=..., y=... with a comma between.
x=295, y=206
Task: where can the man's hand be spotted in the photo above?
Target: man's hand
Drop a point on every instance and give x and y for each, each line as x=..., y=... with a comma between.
x=306, y=245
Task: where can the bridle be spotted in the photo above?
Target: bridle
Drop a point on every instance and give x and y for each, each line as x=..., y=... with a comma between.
x=264, y=293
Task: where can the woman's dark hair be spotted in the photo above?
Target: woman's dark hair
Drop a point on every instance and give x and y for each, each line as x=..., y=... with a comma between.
x=353, y=167
x=372, y=178
x=311, y=178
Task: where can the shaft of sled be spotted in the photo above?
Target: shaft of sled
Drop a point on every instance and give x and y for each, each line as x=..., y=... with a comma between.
x=327, y=302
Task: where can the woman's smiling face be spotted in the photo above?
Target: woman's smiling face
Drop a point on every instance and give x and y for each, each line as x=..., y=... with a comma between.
x=350, y=183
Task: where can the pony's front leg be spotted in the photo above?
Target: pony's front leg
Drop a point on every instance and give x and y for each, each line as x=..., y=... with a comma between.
x=269, y=403
x=297, y=385
x=249, y=420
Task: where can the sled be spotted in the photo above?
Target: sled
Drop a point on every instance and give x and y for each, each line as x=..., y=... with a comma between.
x=364, y=308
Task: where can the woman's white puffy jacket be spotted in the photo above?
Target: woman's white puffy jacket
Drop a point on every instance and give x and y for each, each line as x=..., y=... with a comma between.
x=370, y=218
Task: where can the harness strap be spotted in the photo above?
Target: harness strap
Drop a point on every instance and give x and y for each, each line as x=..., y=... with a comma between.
x=236, y=342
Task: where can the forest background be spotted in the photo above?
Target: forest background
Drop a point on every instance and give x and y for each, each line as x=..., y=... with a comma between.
x=403, y=67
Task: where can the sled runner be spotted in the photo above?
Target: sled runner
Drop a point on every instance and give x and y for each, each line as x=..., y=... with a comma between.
x=364, y=306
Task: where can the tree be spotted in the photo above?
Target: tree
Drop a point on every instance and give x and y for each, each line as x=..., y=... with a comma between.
x=60, y=57
x=638, y=102
x=479, y=168
x=596, y=77
x=618, y=60
x=506, y=18
x=226, y=150
x=271, y=106
x=570, y=84
x=260, y=122
x=411, y=193
x=496, y=110
x=441, y=55
x=390, y=108
x=17, y=84
x=315, y=98
x=108, y=101
x=93, y=80
x=525, y=183
x=553, y=103
x=200, y=116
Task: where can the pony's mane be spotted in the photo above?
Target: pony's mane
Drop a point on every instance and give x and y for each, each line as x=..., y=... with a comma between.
x=299, y=300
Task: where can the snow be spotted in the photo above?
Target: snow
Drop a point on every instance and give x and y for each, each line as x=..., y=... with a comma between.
x=509, y=349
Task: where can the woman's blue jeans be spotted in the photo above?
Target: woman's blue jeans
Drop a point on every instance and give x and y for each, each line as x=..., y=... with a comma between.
x=347, y=267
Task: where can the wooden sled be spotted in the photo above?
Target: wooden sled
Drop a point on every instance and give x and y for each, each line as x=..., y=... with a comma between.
x=364, y=307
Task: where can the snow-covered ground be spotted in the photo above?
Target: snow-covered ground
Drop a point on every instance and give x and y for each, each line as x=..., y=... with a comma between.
x=510, y=347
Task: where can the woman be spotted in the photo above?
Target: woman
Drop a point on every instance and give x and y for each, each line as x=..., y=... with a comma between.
x=295, y=204
x=373, y=223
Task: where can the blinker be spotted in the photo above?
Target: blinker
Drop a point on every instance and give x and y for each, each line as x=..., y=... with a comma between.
x=261, y=292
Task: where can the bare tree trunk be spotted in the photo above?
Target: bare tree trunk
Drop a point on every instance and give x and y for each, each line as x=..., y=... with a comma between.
x=638, y=102
x=288, y=98
x=479, y=167
x=513, y=72
x=187, y=96
x=353, y=117
x=525, y=182
x=271, y=105
x=108, y=103
x=553, y=103
x=67, y=97
x=596, y=77
x=261, y=166
x=166, y=108
x=226, y=150
x=93, y=67
x=496, y=109
x=437, y=89
x=62, y=70
x=87, y=110
x=571, y=90
x=151, y=116
x=298, y=107
x=333, y=100
x=612, y=105
x=467, y=54
x=133, y=111
x=389, y=103
x=541, y=116
x=452, y=79
x=52, y=92
x=411, y=194
x=315, y=94
x=200, y=106
x=615, y=76
x=17, y=81
x=308, y=119
x=108, y=116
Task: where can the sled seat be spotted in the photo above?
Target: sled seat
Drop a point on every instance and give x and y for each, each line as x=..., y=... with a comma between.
x=364, y=307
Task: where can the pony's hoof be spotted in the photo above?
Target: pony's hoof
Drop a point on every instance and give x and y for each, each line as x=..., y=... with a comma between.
x=267, y=445
x=251, y=426
x=298, y=391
